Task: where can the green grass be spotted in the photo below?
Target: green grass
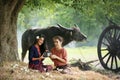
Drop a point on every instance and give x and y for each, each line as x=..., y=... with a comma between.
x=83, y=53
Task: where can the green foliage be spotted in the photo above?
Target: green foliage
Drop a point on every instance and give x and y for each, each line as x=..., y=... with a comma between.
x=89, y=15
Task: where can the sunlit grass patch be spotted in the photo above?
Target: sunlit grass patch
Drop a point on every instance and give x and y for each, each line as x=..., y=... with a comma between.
x=83, y=53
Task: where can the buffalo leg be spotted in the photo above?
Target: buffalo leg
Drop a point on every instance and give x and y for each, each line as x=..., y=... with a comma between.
x=23, y=54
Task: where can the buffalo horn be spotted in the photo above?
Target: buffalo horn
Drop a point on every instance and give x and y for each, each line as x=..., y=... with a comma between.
x=59, y=25
x=64, y=27
x=75, y=25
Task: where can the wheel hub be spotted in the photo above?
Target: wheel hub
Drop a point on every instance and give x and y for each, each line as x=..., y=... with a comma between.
x=114, y=49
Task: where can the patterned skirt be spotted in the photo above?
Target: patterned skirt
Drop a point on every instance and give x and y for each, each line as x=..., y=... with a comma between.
x=40, y=67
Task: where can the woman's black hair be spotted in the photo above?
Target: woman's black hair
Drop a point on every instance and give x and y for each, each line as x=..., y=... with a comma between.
x=44, y=46
x=37, y=37
x=41, y=35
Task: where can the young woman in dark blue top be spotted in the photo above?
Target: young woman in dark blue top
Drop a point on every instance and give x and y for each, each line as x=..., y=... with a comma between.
x=36, y=55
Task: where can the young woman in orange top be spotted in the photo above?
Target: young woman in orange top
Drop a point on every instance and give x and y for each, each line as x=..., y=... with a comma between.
x=59, y=54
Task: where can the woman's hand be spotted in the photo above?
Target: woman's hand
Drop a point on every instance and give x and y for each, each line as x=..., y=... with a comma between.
x=41, y=57
x=54, y=56
x=58, y=58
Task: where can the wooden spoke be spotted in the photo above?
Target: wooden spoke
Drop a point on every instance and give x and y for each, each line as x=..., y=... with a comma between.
x=112, y=62
x=118, y=58
x=108, y=59
x=116, y=62
x=115, y=33
x=110, y=34
x=104, y=49
x=115, y=36
x=108, y=39
x=105, y=55
x=105, y=44
x=118, y=37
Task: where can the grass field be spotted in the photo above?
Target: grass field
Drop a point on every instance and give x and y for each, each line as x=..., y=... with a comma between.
x=83, y=53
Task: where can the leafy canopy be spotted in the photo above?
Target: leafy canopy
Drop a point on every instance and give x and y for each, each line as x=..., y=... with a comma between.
x=89, y=15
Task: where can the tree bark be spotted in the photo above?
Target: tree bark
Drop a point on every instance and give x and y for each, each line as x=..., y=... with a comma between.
x=9, y=10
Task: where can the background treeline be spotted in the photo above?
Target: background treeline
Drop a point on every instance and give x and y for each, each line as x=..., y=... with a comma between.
x=89, y=15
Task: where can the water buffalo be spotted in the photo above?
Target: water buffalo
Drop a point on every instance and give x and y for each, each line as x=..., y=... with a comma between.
x=68, y=34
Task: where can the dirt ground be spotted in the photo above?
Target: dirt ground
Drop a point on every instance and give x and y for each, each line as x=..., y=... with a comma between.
x=20, y=71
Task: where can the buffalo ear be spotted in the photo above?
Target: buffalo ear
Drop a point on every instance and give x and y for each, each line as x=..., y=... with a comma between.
x=69, y=33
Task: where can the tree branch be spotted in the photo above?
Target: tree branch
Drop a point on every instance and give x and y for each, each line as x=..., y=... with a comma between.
x=18, y=6
x=11, y=4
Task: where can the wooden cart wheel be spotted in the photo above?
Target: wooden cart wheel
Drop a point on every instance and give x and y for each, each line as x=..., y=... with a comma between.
x=109, y=48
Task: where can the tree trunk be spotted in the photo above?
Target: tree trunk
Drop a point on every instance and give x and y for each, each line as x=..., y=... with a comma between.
x=8, y=29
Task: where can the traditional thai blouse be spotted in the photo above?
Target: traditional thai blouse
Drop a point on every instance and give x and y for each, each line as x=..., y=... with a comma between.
x=34, y=52
x=60, y=53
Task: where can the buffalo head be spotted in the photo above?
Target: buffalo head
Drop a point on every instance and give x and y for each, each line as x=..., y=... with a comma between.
x=75, y=33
